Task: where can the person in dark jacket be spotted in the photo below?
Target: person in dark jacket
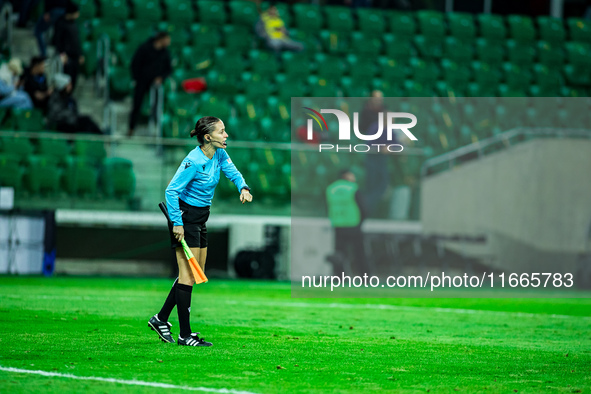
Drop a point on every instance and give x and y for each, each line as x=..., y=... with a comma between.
x=54, y=9
x=35, y=83
x=150, y=64
x=63, y=110
x=66, y=39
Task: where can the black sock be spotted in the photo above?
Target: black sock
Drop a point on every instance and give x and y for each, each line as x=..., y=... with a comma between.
x=183, y=302
x=169, y=303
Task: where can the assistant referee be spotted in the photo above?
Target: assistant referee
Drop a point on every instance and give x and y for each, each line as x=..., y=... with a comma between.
x=188, y=198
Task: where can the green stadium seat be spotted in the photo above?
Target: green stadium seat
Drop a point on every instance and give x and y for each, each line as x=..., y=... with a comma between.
x=92, y=151
x=363, y=45
x=321, y=87
x=579, y=30
x=42, y=175
x=461, y=26
x=354, y=88
x=249, y=109
x=520, y=53
x=487, y=77
x=547, y=82
x=309, y=39
x=117, y=178
x=578, y=71
x=214, y=106
x=457, y=50
x=229, y=63
x=115, y=11
x=335, y=42
x=88, y=9
x=27, y=120
x=489, y=52
x=274, y=130
x=279, y=108
x=401, y=25
x=89, y=49
x=550, y=55
x=57, y=148
x=492, y=27
x=18, y=146
x=456, y=75
x=392, y=70
x=137, y=33
x=243, y=13
x=577, y=76
x=431, y=24
x=429, y=48
x=263, y=62
x=196, y=60
x=205, y=37
x=521, y=29
x=180, y=12
x=295, y=65
x=361, y=69
x=307, y=17
x=417, y=89
x=222, y=84
x=238, y=38
x=329, y=65
x=371, y=22
x=424, y=72
x=551, y=29
x=338, y=18
x=179, y=35
x=288, y=88
x=211, y=12
x=388, y=87
x=121, y=54
x=120, y=82
x=11, y=172
x=516, y=78
x=241, y=129
x=147, y=11
x=397, y=48
x=181, y=104
x=109, y=28
x=79, y=178
x=256, y=87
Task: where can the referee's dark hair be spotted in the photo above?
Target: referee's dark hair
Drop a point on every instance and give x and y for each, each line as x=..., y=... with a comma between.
x=204, y=126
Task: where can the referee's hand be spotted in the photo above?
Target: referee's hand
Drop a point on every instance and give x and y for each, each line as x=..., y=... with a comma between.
x=245, y=196
x=178, y=232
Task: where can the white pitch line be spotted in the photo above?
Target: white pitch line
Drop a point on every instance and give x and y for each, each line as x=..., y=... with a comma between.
x=402, y=308
x=121, y=381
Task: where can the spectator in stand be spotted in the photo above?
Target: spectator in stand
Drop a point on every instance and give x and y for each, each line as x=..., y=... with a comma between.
x=54, y=9
x=271, y=28
x=150, y=65
x=11, y=95
x=66, y=39
x=63, y=112
x=35, y=83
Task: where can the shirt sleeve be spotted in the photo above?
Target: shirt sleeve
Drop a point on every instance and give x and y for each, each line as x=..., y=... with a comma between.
x=230, y=171
x=181, y=179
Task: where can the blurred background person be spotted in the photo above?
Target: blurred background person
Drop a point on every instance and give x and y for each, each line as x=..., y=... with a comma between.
x=151, y=64
x=63, y=109
x=271, y=28
x=66, y=39
x=35, y=83
x=346, y=213
x=54, y=9
x=11, y=95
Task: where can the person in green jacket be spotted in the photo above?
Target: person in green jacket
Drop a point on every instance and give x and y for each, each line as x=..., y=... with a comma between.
x=346, y=213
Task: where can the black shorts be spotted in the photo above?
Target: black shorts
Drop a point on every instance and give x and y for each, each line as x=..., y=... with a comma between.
x=194, y=219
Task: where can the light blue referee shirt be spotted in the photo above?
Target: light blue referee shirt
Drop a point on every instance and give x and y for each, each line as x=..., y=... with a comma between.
x=196, y=179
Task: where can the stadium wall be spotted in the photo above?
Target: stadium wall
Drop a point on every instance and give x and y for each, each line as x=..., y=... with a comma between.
x=532, y=201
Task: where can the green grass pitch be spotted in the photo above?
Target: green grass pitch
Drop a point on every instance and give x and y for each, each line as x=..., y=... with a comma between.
x=267, y=342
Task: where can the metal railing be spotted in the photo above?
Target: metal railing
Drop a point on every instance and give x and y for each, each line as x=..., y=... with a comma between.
x=479, y=149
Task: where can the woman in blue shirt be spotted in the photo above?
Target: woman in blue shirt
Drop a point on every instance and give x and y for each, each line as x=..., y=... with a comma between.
x=188, y=198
